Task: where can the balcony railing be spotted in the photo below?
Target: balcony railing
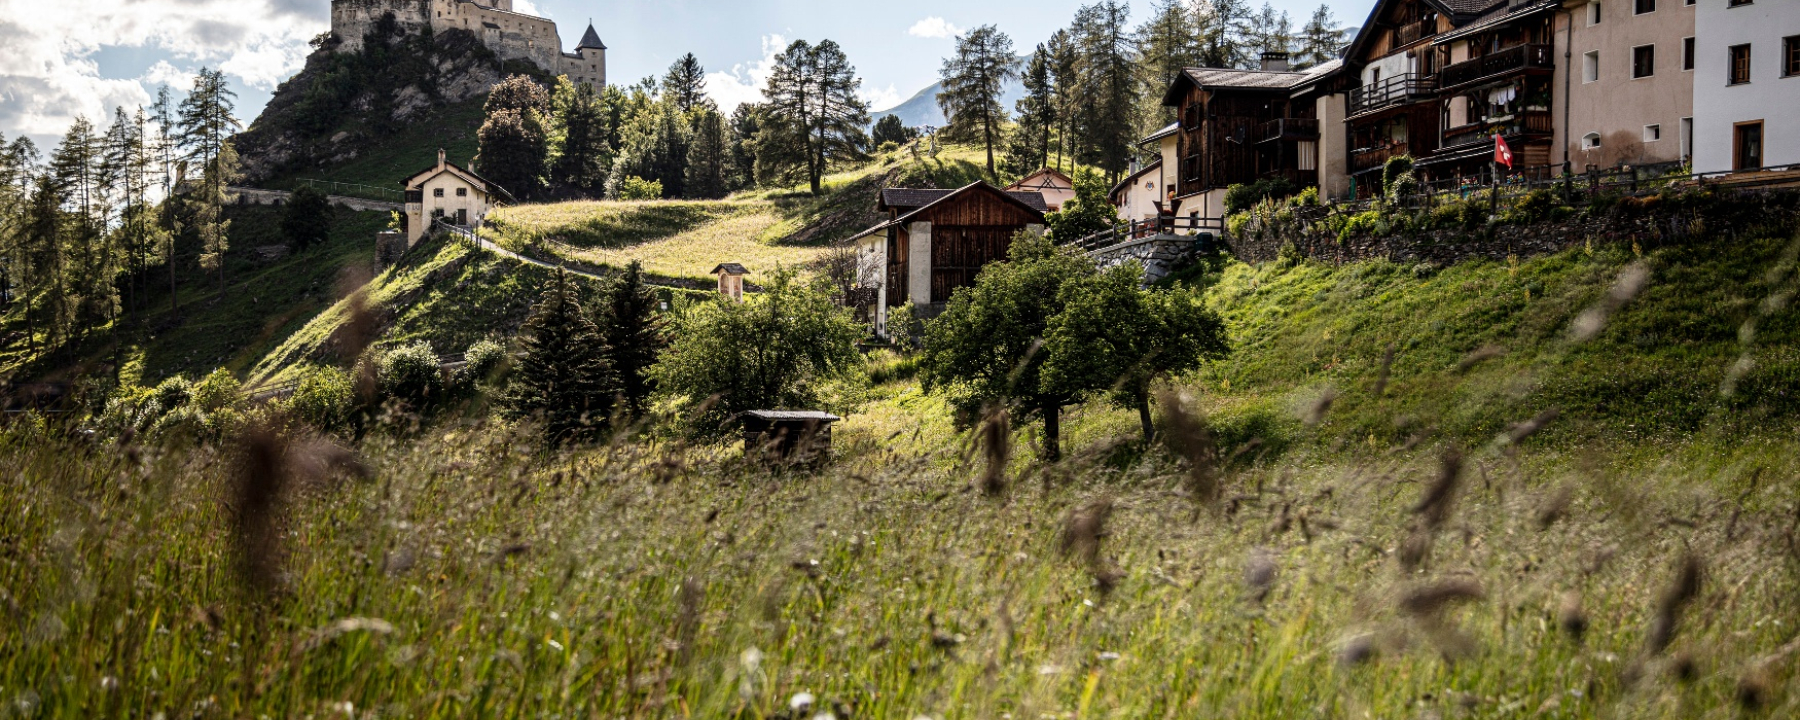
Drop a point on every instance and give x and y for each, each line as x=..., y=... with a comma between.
x=1415, y=31
x=1534, y=122
x=1397, y=90
x=1500, y=64
x=1288, y=129
x=1366, y=158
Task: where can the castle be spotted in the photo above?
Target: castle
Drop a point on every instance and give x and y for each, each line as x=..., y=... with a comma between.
x=511, y=35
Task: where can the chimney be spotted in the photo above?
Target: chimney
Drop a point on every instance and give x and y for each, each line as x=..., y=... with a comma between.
x=440, y=158
x=1274, y=61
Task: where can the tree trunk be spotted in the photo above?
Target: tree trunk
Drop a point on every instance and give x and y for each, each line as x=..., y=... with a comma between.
x=1143, y=408
x=987, y=134
x=1052, y=430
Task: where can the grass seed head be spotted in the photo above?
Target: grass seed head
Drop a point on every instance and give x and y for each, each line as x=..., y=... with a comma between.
x=1084, y=527
x=996, y=444
x=1187, y=434
x=1434, y=507
x=1681, y=591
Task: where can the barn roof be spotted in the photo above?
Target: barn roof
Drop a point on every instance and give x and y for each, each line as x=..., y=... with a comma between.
x=1031, y=201
x=1251, y=80
x=908, y=200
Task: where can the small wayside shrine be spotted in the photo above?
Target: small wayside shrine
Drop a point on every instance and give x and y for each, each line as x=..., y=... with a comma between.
x=936, y=241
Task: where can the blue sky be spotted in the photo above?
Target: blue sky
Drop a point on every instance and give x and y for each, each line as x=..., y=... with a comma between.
x=62, y=58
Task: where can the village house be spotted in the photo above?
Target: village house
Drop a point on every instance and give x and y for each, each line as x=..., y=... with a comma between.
x=1631, y=100
x=1051, y=183
x=1746, y=84
x=1140, y=196
x=451, y=193
x=936, y=241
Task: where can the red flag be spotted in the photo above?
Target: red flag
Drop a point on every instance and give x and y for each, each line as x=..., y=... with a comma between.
x=1502, y=153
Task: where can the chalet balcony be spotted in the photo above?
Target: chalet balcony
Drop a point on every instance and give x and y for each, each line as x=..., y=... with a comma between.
x=1531, y=122
x=1392, y=92
x=1373, y=157
x=1515, y=59
x=1415, y=31
x=1288, y=129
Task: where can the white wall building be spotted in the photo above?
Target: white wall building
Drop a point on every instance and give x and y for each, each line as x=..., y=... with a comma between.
x=1746, y=84
x=449, y=192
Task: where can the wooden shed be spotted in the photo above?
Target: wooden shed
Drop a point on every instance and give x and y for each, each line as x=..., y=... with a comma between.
x=936, y=241
x=787, y=436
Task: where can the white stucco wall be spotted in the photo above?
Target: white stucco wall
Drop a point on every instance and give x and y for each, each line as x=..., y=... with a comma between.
x=871, y=271
x=918, y=263
x=1139, y=199
x=476, y=203
x=1769, y=97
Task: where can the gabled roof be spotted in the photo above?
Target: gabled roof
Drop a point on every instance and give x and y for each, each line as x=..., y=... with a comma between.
x=1160, y=134
x=1207, y=78
x=1461, y=12
x=733, y=268
x=417, y=179
x=590, y=39
x=907, y=200
x=1496, y=19
x=1042, y=172
x=1132, y=178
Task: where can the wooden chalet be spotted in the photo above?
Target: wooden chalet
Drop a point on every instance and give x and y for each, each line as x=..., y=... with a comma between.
x=1436, y=79
x=1240, y=126
x=935, y=241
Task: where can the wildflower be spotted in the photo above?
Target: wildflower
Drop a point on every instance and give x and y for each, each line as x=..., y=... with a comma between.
x=801, y=701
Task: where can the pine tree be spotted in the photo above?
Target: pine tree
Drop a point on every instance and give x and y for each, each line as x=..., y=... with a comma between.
x=746, y=122
x=1065, y=63
x=1029, y=148
x=167, y=141
x=891, y=129
x=205, y=126
x=973, y=80
x=306, y=219
x=1228, y=42
x=1321, y=39
x=1108, y=86
x=685, y=84
x=1170, y=40
x=634, y=333
x=563, y=378
x=707, y=156
x=816, y=117
x=1270, y=31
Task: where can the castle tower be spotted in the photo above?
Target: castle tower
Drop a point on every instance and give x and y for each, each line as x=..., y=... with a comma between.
x=589, y=61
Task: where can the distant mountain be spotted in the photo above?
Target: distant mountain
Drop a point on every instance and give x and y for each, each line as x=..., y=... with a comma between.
x=922, y=108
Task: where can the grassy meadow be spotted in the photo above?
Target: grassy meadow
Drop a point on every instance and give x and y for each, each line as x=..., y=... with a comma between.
x=1558, y=487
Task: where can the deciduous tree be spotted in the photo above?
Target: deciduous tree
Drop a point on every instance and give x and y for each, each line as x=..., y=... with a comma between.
x=306, y=219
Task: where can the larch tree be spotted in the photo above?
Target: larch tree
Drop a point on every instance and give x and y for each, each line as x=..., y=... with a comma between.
x=1029, y=147
x=816, y=117
x=974, y=79
x=1320, y=40
x=1169, y=41
x=167, y=143
x=1065, y=75
x=685, y=84
x=205, y=126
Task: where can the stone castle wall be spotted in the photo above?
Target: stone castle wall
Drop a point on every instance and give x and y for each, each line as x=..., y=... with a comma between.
x=511, y=35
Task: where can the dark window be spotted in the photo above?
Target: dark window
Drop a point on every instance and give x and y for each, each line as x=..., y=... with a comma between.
x=462, y=192
x=1646, y=6
x=1748, y=150
x=1740, y=3
x=1687, y=54
x=1643, y=61
x=1740, y=65
x=439, y=192
x=1790, y=56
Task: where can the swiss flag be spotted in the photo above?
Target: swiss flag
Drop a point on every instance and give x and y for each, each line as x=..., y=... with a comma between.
x=1502, y=153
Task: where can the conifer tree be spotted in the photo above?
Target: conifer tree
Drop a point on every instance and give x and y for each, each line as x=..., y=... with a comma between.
x=634, y=332
x=1228, y=40
x=1065, y=63
x=205, y=126
x=579, y=152
x=891, y=129
x=974, y=79
x=1108, y=86
x=167, y=142
x=746, y=122
x=1320, y=40
x=685, y=84
x=707, y=155
x=563, y=378
x=816, y=117
x=1170, y=40
x=1029, y=148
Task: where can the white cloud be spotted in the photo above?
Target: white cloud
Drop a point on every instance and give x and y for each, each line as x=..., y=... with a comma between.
x=526, y=6
x=933, y=27
x=880, y=99
x=744, y=83
x=49, y=75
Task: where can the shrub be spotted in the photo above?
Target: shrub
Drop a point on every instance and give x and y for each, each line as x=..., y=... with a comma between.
x=218, y=391
x=1239, y=198
x=1308, y=197
x=482, y=362
x=410, y=373
x=637, y=188
x=888, y=147
x=1236, y=223
x=325, y=399
x=173, y=393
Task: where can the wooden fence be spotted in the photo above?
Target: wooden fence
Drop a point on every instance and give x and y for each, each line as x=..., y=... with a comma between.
x=1141, y=229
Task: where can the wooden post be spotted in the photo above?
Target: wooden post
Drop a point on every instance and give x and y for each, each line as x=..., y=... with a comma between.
x=1494, y=189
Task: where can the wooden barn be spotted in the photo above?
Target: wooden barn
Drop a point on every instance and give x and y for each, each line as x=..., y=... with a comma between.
x=936, y=241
